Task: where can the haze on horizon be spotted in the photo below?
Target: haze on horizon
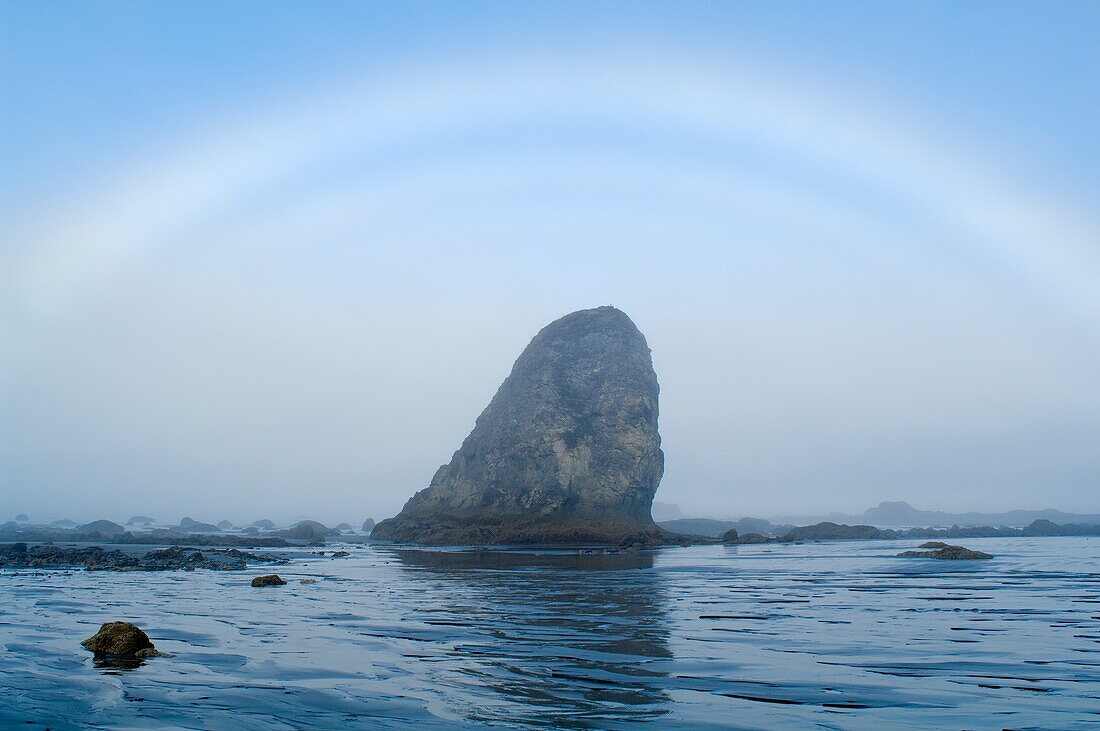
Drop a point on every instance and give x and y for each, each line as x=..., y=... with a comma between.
x=261, y=260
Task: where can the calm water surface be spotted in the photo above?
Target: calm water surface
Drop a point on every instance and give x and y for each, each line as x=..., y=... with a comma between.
x=829, y=635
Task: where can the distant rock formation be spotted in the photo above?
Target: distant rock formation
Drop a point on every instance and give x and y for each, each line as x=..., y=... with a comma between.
x=264, y=524
x=944, y=552
x=100, y=529
x=140, y=520
x=225, y=525
x=308, y=530
x=827, y=531
x=899, y=514
x=187, y=525
x=567, y=451
x=21, y=518
x=368, y=525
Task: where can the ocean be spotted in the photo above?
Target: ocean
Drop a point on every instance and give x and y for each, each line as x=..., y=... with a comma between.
x=835, y=635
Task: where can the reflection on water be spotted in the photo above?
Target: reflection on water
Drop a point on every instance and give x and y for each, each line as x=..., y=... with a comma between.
x=576, y=639
x=836, y=635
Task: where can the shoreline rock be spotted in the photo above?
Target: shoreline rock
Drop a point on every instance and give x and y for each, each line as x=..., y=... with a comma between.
x=97, y=558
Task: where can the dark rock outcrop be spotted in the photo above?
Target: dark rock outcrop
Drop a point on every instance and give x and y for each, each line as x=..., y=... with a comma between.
x=269, y=580
x=729, y=536
x=368, y=525
x=828, y=531
x=947, y=553
x=308, y=530
x=100, y=529
x=120, y=639
x=97, y=558
x=567, y=451
x=188, y=525
x=749, y=539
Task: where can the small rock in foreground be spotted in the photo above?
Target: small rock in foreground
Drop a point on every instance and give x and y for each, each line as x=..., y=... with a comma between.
x=120, y=639
x=309, y=581
x=269, y=580
x=947, y=553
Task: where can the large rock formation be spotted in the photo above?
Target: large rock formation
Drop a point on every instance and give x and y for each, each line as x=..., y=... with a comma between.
x=566, y=452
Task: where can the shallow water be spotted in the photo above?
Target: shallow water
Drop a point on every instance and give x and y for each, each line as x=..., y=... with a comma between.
x=829, y=635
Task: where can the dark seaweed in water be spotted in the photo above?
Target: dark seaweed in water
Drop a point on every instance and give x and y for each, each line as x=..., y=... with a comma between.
x=834, y=635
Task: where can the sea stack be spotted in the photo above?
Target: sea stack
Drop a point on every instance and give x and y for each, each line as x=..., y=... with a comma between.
x=567, y=452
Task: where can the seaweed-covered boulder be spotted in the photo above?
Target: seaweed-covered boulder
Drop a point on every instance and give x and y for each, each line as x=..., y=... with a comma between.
x=567, y=451
x=120, y=639
x=269, y=580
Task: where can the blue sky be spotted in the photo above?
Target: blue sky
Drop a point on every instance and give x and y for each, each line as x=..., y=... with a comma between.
x=283, y=254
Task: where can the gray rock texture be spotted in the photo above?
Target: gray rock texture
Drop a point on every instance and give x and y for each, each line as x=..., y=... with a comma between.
x=567, y=451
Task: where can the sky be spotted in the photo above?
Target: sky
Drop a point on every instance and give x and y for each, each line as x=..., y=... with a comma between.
x=273, y=259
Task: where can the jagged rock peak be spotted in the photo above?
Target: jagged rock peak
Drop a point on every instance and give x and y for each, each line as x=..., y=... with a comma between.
x=566, y=452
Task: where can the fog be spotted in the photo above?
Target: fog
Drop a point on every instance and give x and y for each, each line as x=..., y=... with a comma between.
x=294, y=299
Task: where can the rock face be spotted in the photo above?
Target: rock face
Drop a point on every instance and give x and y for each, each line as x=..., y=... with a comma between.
x=120, y=639
x=567, y=451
